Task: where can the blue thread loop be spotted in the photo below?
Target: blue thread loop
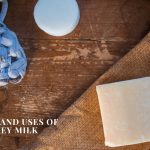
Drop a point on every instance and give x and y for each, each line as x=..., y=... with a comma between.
x=13, y=61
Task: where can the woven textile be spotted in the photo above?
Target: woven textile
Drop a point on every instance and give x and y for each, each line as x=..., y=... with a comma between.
x=80, y=126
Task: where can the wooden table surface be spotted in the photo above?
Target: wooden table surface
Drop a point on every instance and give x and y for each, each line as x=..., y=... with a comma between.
x=61, y=69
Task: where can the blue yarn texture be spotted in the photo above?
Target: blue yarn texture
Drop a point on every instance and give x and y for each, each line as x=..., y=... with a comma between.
x=13, y=61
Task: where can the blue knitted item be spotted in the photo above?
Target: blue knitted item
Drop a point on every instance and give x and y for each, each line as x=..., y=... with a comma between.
x=13, y=60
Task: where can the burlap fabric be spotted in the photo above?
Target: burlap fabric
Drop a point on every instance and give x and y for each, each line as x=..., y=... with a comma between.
x=80, y=126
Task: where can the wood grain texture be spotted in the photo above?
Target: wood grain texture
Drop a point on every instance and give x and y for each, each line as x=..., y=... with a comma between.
x=61, y=69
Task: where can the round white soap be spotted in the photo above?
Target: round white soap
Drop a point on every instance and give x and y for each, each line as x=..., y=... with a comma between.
x=57, y=17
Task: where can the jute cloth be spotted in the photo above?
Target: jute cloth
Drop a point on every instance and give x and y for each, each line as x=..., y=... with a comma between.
x=80, y=126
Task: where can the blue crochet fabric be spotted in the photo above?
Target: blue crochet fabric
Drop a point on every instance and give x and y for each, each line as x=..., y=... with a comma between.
x=13, y=61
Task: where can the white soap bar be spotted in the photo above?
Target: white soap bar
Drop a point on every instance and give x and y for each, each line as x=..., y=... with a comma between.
x=125, y=111
x=57, y=17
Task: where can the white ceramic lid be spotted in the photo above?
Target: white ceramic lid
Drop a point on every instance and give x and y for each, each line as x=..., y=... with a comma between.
x=57, y=17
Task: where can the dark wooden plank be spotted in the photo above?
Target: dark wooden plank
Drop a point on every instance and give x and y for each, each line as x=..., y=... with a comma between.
x=58, y=73
x=121, y=19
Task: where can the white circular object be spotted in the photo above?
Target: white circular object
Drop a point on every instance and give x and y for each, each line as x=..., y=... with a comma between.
x=57, y=17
